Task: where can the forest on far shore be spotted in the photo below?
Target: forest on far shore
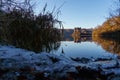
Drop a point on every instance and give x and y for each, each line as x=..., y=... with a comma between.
x=111, y=26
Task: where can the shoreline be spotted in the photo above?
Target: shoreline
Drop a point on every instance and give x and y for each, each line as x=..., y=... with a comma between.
x=18, y=64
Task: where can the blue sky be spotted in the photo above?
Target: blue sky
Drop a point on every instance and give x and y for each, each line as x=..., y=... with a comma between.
x=79, y=13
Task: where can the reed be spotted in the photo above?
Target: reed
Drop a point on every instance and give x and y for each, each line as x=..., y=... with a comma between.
x=26, y=30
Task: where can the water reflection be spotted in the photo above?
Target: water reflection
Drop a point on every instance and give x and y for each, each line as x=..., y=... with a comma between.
x=110, y=44
x=78, y=39
x=38, y=46
x=82, y=39
x=89, y=47
x=51, y=46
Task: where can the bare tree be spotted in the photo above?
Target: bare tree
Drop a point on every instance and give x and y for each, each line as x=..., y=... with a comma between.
x=116, y=11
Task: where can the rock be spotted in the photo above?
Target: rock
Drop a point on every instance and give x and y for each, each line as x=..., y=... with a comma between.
x=3, y=71
x=21, y=77
x=114, y=77
x=39, y=75
x=82, y=60
x=54, y=59
x=27, y=68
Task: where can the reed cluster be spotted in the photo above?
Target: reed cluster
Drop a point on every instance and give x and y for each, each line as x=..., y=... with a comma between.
x=22, y=28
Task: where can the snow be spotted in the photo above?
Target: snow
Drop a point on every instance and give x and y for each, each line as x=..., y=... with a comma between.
x=14, y=58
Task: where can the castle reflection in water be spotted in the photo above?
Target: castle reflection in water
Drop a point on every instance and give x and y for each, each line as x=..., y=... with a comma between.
x=79, y=39
x=77, y=35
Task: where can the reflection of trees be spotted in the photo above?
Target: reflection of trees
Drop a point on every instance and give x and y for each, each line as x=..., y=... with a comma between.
x=51, y=46
x=111, y=44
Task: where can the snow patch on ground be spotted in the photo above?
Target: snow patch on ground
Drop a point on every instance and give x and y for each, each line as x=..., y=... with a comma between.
x=15, y=58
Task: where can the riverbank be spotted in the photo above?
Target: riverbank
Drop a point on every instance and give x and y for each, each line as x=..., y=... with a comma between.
x=20, y=64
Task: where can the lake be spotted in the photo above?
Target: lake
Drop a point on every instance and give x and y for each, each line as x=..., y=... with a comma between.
x=89, y=47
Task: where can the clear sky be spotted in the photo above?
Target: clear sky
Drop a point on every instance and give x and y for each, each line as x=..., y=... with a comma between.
x=79, y=13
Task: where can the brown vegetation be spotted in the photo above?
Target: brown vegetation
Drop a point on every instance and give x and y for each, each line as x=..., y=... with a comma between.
x=110, y=44
x=111, y=27
x=22, y=28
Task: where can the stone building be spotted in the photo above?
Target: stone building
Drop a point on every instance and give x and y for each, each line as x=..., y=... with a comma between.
x=76, y=34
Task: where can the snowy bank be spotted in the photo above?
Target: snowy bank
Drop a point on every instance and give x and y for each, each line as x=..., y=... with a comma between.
x=18, y=64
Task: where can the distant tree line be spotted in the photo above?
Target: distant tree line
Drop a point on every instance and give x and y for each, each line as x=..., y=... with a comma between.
x=111, y=26
x=19, y=26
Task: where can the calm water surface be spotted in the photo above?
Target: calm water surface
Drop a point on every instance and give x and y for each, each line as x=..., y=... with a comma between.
x=88, y=49
x=83, y=49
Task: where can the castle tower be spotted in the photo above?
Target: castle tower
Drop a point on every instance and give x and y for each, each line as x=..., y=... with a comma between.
x=76, y=34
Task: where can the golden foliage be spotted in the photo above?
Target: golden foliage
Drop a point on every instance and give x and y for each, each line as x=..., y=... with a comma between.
x=111, y=44
x=110, y=25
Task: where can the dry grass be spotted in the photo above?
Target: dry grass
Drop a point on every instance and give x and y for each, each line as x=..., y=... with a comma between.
x=36, y=33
